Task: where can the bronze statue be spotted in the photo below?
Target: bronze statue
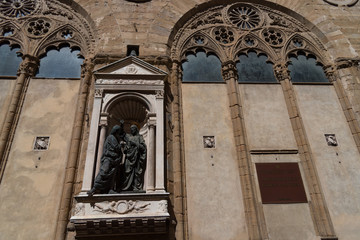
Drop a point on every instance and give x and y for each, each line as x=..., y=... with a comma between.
x=132, y=176
x=123, y=162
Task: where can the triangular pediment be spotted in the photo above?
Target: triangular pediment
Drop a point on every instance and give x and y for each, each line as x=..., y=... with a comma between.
x=129, y=66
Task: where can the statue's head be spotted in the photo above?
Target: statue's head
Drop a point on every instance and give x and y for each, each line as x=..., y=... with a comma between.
x=115, y=130
x=134, y=129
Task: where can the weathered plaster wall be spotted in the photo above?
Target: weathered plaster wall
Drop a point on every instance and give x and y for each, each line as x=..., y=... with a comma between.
x=338, y=167
x=266, y=118
x=32, y=184
x=6, y=89
x=215, y=207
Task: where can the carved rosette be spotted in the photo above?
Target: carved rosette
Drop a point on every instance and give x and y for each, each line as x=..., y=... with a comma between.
x=38, y=27
x=17, y=8
x=244, y=16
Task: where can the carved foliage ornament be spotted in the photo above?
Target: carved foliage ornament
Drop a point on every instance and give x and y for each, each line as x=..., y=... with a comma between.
x=122, y=207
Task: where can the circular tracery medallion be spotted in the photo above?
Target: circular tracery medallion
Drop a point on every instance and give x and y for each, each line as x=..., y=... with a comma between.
x=17, y=8
x=244, y=16
x=342, y=2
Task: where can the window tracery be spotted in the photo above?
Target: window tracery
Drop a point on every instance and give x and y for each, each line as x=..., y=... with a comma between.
x=304, y=68
x=201, y=67
x=253, y=67
x=20, y=23
x=62, y=63
x=229, y=29
x=13, y=60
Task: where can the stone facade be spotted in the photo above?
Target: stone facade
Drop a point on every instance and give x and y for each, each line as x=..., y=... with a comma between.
x=205, y=139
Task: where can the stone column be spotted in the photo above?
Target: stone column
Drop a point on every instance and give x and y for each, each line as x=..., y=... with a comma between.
x=178, y=196
x=66, y=197
x=151, y=152
x=91, y=149
x=103, y=129
x=27, y=69
x=253, y=213
x=160, y=160
x=318, y=208
x=333, y=74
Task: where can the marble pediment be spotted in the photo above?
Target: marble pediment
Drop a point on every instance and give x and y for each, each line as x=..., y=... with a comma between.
x=129, y=68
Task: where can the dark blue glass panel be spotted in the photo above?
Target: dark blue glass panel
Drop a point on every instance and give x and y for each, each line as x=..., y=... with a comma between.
x=9, y=60
x=253, y=68
x=60, y=64
x=303, y=69
x=202, y=68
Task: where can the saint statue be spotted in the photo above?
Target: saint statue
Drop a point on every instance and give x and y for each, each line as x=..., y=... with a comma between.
x=132, y=176
x=109, y=162
x=123, y=162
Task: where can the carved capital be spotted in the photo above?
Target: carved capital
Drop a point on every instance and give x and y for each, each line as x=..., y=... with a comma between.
x=281, y=72
x=104, y=120
x=229, y=70
x=159, y=94
x=331, y=72
x=99, y=93
x=28, y=66
x=87, y=67
x=151, y=119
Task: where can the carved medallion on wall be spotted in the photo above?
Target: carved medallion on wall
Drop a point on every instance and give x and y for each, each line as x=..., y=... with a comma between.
x=340, y=3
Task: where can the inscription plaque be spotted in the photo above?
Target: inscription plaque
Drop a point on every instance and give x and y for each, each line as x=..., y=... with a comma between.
x=280, y=183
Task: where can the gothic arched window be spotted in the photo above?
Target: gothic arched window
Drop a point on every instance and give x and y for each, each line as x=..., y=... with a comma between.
x=9, y=60
x=202, y=68
x=254, y=68
x=305, y=69
x=62, y=63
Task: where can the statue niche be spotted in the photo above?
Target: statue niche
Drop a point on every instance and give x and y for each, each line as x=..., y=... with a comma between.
x=123, y=162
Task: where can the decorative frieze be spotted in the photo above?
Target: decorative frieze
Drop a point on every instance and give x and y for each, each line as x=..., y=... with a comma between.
x=129, y=82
